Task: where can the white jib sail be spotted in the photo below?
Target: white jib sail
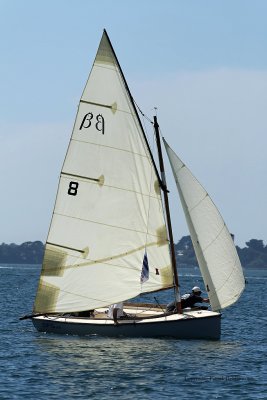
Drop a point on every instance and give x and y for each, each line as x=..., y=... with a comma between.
x=108, y=210
x=214, y=247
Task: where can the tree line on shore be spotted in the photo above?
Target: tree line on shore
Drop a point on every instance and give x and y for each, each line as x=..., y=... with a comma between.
x=253, y=255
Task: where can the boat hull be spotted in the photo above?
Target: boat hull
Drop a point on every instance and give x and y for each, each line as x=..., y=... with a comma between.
x=204, y=325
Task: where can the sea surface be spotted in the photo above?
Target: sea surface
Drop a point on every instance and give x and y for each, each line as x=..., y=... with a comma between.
x=48, y=366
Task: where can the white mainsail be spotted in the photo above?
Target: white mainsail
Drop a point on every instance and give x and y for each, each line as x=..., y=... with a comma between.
x=214, y=247
x=108, y=212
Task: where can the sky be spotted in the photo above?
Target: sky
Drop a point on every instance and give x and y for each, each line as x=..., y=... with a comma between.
x=202, y=63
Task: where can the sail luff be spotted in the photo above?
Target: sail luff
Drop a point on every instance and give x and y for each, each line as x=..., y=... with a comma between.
x=216, y=253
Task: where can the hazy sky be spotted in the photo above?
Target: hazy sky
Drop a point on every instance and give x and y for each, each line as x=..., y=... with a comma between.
x=202, y=63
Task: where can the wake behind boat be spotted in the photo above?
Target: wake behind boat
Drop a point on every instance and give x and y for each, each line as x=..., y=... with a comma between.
x=110, y=237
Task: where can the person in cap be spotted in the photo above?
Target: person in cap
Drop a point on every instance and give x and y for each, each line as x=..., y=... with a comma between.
x=188, y=300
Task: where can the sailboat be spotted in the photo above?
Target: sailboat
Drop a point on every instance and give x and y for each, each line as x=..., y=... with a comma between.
x=110, y=237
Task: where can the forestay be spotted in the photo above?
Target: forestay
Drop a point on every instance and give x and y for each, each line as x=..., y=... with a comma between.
x=108, y=212
x=214, y=247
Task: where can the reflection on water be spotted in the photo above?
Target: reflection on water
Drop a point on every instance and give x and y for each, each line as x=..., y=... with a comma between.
x=143, y=368
x=92, y=347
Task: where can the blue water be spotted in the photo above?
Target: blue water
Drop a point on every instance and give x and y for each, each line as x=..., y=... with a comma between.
x=46, y=366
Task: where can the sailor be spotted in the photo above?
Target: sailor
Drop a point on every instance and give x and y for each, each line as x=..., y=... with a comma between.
x=115, y=311
x=188, y=300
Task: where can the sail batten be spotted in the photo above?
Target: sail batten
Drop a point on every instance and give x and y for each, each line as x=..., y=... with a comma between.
x=214, y=247
x=65, y=247
x=108, y=204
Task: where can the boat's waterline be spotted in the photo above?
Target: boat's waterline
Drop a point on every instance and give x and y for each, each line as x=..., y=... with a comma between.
x=197, y=324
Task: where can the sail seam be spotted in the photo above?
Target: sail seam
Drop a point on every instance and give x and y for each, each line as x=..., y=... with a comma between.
x=95, y=181
x=110, y=226
x=214, y=240
x=234, y=269
x=106, y=261
x=106, y=302
x=200, y=201
x=111, y=147
x=112, y=68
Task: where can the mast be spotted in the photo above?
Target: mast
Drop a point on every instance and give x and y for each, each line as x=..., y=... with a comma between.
x=167, y=209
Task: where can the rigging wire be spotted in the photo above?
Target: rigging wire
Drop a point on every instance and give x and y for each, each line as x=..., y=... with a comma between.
x=142, y=113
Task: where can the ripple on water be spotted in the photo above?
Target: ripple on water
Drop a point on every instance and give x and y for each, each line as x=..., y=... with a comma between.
x=35, y=365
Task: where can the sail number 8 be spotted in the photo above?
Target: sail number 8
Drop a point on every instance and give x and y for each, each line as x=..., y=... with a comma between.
x=73, y=188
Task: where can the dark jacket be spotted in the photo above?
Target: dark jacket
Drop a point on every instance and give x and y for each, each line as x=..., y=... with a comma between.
x=187, y=300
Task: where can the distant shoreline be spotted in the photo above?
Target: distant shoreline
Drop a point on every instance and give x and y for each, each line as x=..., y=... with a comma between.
x=253, y=255
x=178, y=266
